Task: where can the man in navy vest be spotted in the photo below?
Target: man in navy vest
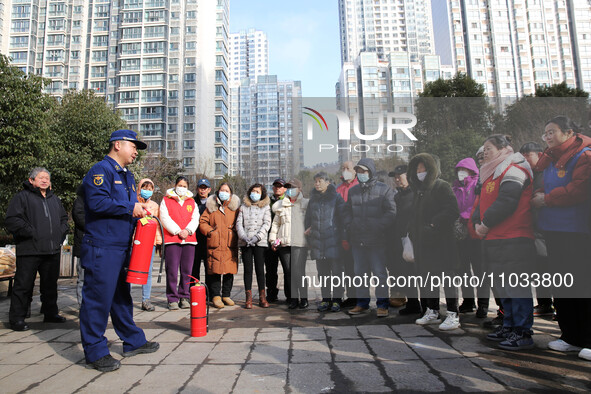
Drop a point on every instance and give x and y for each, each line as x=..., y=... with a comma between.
x=111, y=207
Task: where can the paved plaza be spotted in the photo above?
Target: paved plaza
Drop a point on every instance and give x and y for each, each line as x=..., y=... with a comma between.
x=277, y=350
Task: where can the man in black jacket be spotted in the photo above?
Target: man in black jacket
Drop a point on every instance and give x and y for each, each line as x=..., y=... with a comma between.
x=39, y=224
x=369, y=220
x=203, y=191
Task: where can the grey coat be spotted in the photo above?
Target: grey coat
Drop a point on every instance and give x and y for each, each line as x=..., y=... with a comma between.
x=254, y=219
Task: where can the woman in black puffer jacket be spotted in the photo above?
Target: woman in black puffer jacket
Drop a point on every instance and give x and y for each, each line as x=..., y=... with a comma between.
x=323, y=225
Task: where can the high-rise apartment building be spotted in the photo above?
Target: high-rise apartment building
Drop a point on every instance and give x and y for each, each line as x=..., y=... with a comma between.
x=385, y=26
x=163, y=63
x=512, y=46
x=266, y=117
x=249, y=55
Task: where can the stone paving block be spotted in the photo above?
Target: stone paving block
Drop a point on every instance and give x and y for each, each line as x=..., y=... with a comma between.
x=172, y=336
x=509, y=377
x=365, y=377
x=9, y=369
x=350, y=350
x=413, y=375
x=152, y=333
x=343, y=332
x=212, y=336
x=118, y=381
x=310, y=351
x=307, y=334
x=165, y=349
x=329, y=317
x=145, y=316
x=310, y=378
x=391, y=349
x=14, y=336
x=44, y=335
x=410, y=330
x=376, y=331
x=431, y=348
x=36, y=353
x=67, y=380
x=275, y=352
x=463, y=374
x=164, y=379
x=207, y=379
x=470, y=346
x=186, y=353
x=10, y=350
x=229, y=352
x=240, y=335
x=69, y=336
x=28, y=376
x=73, y=354
x=273, y=334
x=172, y=316
x=262, y=378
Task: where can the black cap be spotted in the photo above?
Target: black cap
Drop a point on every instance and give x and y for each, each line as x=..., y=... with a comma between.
x=398, y=170
x=280, y=181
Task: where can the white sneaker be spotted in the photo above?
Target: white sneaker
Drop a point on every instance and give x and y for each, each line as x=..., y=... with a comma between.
x=430, y=317
x=560, y=346
x=452, y=321
x=585, y=354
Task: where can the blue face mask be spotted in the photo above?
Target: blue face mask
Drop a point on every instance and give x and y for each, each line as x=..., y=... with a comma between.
x=255, y=197
x=293, y=192
x=363, y=178
x=146, y=194
x=224, y=196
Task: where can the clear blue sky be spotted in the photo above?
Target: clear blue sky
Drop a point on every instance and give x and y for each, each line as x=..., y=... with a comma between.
x=303, y=39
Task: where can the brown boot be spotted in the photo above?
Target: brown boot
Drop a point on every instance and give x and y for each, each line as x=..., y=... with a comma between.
x=248, y=304
x=263, y=299
x=217, y=302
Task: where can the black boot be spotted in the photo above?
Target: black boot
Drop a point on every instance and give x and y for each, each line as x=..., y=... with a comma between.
x=272, y=295
x=412, y=307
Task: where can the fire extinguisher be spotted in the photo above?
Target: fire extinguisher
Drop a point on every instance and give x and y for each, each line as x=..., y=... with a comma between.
x=138, y=271
x=199, y=309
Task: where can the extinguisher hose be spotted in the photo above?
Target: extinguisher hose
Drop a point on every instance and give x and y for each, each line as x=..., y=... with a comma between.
x=162, y=252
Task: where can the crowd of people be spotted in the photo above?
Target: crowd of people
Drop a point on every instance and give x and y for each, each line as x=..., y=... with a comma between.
x=505, y=212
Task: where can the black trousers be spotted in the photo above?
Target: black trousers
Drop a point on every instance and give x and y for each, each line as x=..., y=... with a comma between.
x=271, y=265
x=568, y=253
x=254, y=255
x=327, y=268
x=216, y=284
x=200, y=257
x=470, y=252
x=27, y=267
x=284, y=254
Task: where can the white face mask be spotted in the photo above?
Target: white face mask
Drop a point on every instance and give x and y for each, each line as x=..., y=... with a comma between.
x=180, y=191
x=348, y=175
x=421, y=175
x=462, y=175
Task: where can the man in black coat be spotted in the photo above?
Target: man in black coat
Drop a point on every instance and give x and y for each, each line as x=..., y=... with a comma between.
x=369, y=219
x=271, y=256
x=203, y=191
x=39, y=224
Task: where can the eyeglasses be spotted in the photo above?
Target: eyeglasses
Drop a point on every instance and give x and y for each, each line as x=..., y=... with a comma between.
x=547, y=135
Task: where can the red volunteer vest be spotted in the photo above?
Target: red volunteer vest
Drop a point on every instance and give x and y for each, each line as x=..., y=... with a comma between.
x=181, y=215
x=519, y=224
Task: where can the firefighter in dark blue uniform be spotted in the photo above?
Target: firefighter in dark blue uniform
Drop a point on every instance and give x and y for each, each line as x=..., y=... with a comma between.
x=111, y=207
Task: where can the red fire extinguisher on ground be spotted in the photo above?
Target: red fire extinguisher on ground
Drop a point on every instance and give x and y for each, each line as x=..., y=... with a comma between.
x=141, y=253
x=199, y=309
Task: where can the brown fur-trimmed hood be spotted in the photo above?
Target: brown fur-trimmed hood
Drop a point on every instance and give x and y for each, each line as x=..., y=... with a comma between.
x=261, y=203
x=213, y=203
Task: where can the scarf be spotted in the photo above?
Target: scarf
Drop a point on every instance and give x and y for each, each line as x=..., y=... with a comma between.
x=490, y=166
x=561, y=154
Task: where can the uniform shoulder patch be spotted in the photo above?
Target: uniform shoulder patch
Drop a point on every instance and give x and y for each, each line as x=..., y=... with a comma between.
x=98, y=179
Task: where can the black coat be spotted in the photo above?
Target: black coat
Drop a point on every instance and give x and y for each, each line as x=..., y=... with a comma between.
x=78, y=216
x=434, y=211
x=324, y=218
x=370, y=211
x=39, y=224
x=404, y=201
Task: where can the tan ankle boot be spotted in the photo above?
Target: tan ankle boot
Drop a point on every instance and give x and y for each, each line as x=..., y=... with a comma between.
x=248, y=304
x=228, y=301
x=217, y=302
x=263, y=299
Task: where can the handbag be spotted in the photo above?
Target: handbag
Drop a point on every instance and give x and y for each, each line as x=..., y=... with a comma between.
x=408, y=253
x=460, y=230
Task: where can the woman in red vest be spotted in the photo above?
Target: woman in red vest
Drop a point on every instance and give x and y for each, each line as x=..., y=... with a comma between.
x=180, y=218
x=502, y=219
x=563, y=218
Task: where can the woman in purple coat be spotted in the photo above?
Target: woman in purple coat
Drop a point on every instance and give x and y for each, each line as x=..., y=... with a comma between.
x=469, y=249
